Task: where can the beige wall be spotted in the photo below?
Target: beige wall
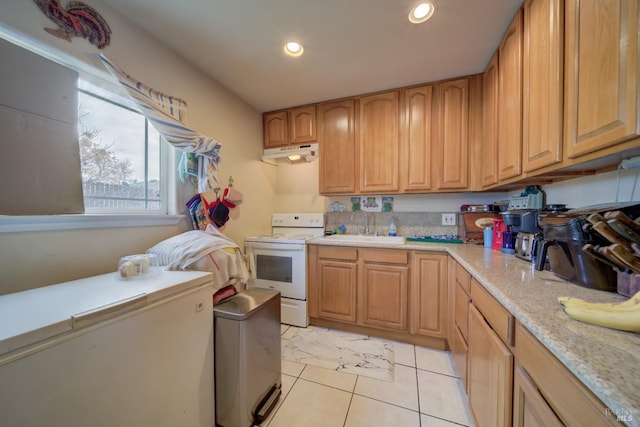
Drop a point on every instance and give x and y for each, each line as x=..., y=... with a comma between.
x=35, y=259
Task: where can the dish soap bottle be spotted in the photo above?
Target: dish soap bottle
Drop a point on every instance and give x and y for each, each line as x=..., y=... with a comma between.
x=392, y=227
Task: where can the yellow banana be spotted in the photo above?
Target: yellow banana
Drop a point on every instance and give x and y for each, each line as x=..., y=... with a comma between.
x=630, y=304
x=624, y=320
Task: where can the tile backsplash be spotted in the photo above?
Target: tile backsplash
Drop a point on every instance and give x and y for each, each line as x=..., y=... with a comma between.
x=408, y=224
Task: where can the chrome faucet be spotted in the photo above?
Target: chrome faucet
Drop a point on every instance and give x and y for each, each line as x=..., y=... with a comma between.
x=367, y=231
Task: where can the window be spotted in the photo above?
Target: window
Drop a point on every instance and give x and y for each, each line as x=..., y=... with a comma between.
x=121, y=155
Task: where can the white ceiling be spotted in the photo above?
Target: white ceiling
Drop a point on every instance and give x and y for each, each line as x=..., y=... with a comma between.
x=351, y=46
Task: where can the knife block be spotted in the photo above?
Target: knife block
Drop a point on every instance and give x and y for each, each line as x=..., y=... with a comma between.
x=628, y=284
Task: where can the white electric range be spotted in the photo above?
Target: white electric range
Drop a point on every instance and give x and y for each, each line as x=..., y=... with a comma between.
x=279, y=261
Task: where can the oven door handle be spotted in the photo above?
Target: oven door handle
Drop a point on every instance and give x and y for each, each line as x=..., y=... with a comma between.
x=289, y=247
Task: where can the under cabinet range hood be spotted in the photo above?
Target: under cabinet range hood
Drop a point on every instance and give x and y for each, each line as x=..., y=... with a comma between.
x=291, y=154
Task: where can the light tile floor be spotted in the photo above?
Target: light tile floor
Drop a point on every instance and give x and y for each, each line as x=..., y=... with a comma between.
x=426, y=392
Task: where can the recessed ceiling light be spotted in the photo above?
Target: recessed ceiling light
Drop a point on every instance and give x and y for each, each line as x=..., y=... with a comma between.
x=293, y=49
x=421, y=12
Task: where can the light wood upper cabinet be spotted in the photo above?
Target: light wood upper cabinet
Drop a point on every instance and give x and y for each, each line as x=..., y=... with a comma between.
x=379, y=141
x=510, y=101
x=428, y=311
x=337, y=152
x=601, y=74
x=490, y=123
x=289, y=127
x=302, y=127
x=451, y=145
x=276, y=129
x=417, y=138
x=542, y=85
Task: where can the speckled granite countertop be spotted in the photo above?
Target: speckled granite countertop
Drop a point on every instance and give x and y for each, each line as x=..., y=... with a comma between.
x=605, y=360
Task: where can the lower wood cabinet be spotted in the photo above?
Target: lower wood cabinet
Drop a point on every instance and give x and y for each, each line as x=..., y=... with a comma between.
x=390, y=293
x=548, y=394
x=489, y=374
x=529, y=407
x=428, y=304
x=383, y=288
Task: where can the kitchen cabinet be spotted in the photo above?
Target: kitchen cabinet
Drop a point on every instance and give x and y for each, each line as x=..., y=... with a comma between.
x=601, y=74
x=510, y=101
x=451, y=145
x=383, y=288
x=490, y=123
x=489, y=375
x=542, y=85
x=337, y=147
x=428, y=302
x=490, y=360
x=529, y=407
x=544, y=386
x=377, y=292
x=379, y=142
x=290, y=127
x=459, y=299
x=417, y=138
x=336, y=283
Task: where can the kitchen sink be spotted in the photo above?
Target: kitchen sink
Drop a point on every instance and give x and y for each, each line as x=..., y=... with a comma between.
x=354, y=238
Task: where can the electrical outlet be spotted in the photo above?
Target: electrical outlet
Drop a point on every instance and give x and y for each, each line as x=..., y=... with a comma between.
x=199, y=306
x=448, y=219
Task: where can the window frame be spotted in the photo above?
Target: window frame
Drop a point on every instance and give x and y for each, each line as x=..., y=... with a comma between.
x=82, y=221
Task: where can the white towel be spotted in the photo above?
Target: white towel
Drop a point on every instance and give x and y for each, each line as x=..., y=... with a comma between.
x=179, y=252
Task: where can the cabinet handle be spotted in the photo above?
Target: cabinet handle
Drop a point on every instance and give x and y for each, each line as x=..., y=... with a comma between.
x=108, y=311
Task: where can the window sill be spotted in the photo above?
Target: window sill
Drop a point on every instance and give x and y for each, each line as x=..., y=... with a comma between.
x=19, y=224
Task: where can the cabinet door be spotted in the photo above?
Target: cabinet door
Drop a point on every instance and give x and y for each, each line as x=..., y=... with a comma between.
x=490, y=123
x=462, y=311
x=452, y=143
x=418, y=114
x=542, y=85
x=336, y=287
x=337, y=147
x=529, y=407
x=302, y=122
x=490, y=374
x=510, y=101
x=601, y=77
x=276, y=129
x=379, y=140
x=383, y=295
x=428, y=311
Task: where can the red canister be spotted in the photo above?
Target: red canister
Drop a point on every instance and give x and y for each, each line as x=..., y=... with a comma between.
x=498, y=229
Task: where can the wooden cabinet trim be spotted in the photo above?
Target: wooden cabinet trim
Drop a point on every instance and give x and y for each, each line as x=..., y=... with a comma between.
x=463, y=278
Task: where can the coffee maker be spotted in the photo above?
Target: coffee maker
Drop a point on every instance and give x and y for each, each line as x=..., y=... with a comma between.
x=523, y=224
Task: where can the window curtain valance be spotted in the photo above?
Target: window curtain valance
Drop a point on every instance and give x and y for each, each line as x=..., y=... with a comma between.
x=167, y=114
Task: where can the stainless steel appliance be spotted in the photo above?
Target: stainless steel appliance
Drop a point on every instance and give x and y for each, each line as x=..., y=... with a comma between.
x=247, y=357
x=526, y=245
x=279, y=261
